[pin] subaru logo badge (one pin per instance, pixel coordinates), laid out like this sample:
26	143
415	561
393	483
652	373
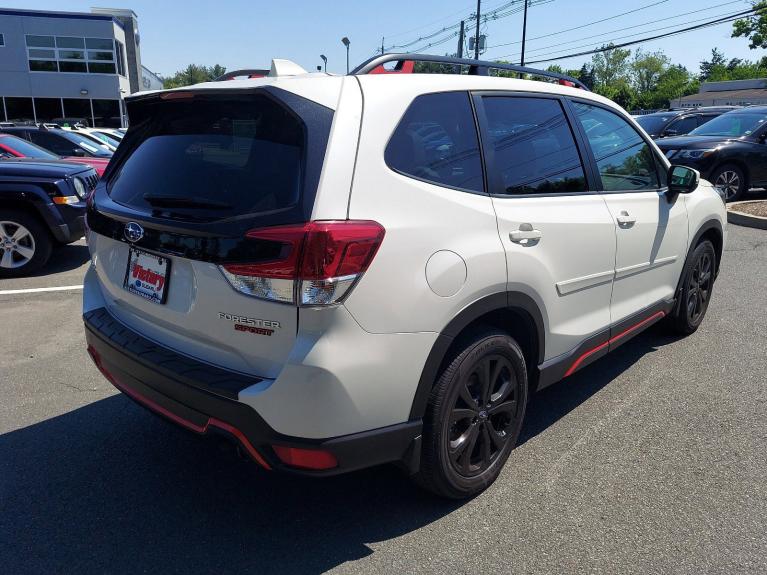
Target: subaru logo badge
133	232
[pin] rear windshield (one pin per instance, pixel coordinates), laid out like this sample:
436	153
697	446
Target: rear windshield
225	157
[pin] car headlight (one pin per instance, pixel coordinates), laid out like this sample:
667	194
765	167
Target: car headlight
79	186
694	154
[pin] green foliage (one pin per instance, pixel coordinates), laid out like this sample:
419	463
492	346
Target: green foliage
753	27
611	68
194	74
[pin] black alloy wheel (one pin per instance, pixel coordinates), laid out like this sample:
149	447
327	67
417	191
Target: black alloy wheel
696	287
474	415
699	286
484	411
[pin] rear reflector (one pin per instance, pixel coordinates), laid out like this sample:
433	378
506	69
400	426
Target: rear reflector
318	262
305	458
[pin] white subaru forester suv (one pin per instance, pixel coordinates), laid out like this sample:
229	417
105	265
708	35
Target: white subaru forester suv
338	272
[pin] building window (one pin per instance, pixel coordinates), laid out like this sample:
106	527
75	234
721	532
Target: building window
19	110
48	109
77	110
2	40
106	113
71	54
120	55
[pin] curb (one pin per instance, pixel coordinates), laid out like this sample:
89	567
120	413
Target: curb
743	219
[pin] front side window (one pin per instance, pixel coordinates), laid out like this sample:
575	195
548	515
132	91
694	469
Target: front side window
625	161
682	126
534	148
436	141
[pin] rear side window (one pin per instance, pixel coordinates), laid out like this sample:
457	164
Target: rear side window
224	156
436	141
534	148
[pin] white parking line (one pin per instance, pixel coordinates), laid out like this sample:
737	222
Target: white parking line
37	290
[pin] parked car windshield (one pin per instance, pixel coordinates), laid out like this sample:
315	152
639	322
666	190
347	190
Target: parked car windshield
653	124
27	149
732	124
86	143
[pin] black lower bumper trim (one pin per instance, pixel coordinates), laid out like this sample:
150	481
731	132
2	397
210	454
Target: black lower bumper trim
201	408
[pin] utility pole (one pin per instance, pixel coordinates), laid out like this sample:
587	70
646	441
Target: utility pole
459	53
476	34
524	33
382	45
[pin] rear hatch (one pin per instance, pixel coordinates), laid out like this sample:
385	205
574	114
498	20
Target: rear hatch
172	220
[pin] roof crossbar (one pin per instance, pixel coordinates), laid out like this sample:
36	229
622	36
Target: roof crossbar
476	67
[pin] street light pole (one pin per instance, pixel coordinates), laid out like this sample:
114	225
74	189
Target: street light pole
345	41
476	34
524	34
324	61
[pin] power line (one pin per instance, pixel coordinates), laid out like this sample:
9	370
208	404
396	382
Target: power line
619	29
731	18
494	14
612	40
586	25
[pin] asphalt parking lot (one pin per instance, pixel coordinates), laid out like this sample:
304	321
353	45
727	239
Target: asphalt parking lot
653	460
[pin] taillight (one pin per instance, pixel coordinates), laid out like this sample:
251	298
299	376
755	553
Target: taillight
318	262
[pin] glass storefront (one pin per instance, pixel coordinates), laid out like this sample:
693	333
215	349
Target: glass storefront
99	113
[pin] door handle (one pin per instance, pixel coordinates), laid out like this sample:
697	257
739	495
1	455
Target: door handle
525	235
624	219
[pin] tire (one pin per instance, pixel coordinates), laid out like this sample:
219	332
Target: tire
696	287
467	438
25	244
731	180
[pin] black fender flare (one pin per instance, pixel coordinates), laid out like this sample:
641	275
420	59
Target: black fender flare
712	224
511	300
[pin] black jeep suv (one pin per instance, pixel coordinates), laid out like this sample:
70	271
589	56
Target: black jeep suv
42	204
729	151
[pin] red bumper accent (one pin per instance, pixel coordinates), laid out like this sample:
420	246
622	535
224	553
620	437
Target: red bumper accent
159	409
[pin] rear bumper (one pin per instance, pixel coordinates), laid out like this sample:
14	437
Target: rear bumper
199	398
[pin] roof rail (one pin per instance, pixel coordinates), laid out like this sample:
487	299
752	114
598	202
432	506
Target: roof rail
476	67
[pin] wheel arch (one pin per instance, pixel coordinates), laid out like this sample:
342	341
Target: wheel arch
710	230
514	312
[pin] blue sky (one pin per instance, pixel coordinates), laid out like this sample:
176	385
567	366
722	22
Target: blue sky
241	33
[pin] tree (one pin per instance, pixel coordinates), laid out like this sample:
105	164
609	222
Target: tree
610	67
675	82
708	66
194	74
646	68
753	27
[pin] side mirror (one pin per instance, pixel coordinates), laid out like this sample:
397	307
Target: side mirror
682	180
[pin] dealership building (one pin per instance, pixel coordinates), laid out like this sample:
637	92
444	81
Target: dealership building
727	93
69	66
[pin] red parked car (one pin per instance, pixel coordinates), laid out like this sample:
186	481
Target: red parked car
15	147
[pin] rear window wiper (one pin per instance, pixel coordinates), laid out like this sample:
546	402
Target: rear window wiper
182	202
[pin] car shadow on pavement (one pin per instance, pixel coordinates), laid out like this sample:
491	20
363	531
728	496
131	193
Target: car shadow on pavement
110	488
556	401
64	259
